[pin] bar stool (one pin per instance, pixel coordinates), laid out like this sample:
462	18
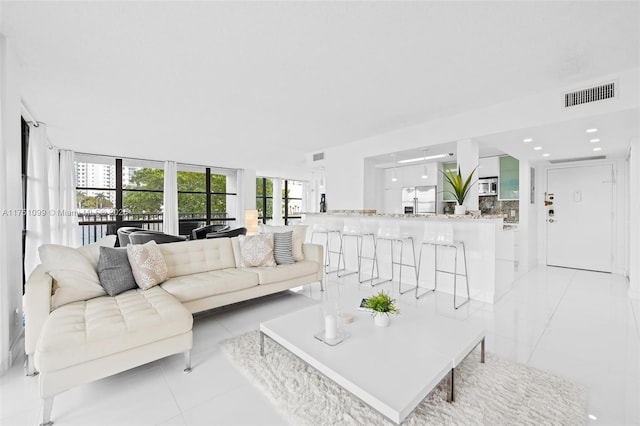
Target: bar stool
441	235
328	227
360	230
389	230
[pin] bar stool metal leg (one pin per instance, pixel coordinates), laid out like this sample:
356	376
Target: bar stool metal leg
341	256
466	278
374	259
435	281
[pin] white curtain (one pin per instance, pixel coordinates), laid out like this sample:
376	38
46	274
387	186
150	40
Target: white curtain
38	208
170	214
240	201
277	202
66	219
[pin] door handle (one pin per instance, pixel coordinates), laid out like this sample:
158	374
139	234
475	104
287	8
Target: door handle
552	220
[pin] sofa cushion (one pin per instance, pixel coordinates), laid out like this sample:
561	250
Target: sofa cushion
192	257
186	288
147	264
298	237
256	250
92	251
114	271
274	274
74	274
88	330
282	248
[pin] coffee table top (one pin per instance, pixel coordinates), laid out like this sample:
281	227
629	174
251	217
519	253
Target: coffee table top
392	368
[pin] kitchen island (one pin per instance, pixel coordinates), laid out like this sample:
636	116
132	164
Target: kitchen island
490	248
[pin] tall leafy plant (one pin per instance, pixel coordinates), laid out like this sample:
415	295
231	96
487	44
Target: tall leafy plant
459	187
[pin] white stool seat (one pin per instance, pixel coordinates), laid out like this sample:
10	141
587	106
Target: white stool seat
360	230
390	230
441	235
328	226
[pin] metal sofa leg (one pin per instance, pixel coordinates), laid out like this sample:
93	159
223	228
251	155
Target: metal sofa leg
187	360
47	405
29	366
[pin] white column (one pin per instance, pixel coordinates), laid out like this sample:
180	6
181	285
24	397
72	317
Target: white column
634	214
468	154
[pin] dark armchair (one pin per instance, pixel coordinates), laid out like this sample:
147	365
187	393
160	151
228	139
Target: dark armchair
201	233
141	237
228	234
124	232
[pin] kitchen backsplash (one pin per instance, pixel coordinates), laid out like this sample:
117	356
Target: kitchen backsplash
491	205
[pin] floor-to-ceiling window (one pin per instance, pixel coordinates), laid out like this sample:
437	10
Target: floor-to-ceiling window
292	200
115	192
292	194
264	199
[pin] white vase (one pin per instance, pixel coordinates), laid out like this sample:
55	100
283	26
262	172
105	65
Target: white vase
381	320
460	209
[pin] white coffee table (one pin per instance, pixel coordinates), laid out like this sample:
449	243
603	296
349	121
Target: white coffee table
392	369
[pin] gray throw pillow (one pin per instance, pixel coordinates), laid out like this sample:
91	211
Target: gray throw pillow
114	271
283	248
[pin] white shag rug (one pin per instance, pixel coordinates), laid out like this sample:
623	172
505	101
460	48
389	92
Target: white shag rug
499	392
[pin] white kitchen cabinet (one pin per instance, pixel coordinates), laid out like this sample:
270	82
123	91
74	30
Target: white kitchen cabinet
488	167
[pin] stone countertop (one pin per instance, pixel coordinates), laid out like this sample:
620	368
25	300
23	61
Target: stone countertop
369	213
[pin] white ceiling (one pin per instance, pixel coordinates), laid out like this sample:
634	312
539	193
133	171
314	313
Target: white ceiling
259	84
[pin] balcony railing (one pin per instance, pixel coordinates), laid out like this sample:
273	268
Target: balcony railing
96	225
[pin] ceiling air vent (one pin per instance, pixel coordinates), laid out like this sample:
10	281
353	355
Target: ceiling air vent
584	96
572	160
319	156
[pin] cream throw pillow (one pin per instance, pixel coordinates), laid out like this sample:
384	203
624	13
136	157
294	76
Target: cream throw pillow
256	250
298	237
75	276
147	264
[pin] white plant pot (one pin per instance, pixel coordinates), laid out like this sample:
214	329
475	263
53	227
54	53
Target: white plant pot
459	209
381	320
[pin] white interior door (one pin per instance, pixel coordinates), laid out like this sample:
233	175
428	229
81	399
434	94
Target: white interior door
579	213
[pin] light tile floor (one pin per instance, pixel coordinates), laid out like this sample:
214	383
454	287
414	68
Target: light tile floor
576	324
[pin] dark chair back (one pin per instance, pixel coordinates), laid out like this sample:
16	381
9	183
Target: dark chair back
124	232
200	233
228	234
141	237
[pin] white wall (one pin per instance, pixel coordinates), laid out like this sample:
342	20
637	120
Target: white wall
633	214
10	199
344	164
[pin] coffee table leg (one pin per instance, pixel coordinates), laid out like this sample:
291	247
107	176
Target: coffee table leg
452	394
482	351
261	343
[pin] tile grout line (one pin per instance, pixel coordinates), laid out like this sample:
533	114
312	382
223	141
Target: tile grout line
564	293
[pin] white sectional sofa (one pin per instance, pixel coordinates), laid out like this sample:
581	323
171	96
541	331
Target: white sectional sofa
86	340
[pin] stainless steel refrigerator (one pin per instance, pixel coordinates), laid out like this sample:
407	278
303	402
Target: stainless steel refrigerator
419	199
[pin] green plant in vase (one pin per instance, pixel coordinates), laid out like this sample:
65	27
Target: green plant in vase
381	305
460	187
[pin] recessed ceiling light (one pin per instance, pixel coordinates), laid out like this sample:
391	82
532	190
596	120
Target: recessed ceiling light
527	140
537	148
546	154
592	130
594	140
597	148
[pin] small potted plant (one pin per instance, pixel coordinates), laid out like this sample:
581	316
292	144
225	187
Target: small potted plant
459	187
381	305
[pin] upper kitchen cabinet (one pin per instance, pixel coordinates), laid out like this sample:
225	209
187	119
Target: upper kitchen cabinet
488	167
446	186
509	178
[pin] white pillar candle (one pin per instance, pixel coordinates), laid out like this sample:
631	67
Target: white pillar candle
330	327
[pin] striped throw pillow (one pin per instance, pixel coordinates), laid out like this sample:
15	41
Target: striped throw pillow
283	248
